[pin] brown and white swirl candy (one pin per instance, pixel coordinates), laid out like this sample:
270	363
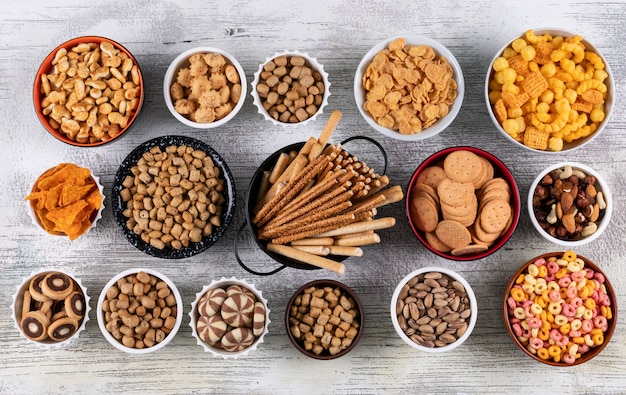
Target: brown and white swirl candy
237	339
211	302
237	310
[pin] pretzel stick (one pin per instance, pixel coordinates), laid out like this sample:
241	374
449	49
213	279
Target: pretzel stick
383	181
345	250
329	128
312	193
376	224
359	240
315	229
392	194
305	257
370	204
314	241
281	164
315	250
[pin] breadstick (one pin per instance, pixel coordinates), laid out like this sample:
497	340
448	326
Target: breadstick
359	240
392	194
305	257
329	128
314	241
345	250
316	150
315	229
362	226
264	185
281	164
366	232
382	182
315	250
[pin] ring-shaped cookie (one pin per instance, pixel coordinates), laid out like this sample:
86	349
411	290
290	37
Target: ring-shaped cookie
57	285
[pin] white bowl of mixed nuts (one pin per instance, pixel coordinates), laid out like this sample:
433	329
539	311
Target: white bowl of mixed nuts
570	204
434	309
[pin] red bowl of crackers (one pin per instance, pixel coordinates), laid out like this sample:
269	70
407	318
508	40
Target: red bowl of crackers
560	309
463	203
549	90
88	91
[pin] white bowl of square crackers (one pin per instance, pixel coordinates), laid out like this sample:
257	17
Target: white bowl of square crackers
463	203
409	87
549	90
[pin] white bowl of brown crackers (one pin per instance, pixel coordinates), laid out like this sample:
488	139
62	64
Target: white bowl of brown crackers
549	90
409	87
463	203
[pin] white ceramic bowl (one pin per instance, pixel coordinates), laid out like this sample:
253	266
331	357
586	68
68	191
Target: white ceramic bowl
224	283
609	82
601	224
182	61
311	62
437	127
471	321
117	343
18	303
35	221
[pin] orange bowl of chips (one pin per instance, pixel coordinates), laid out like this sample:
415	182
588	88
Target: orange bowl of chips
204	87
66	200
463	203
413	102
549	90
88	91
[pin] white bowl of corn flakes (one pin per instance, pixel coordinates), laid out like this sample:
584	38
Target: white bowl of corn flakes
413	102
549	90
204	87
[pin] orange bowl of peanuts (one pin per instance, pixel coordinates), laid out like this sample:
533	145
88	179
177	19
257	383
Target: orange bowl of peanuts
290	88
312	205
463	203
560	309
409	87
204	87
88	91
324	319
549	90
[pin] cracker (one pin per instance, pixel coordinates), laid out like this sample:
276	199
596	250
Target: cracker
453	234
424	214
462	166
432	176
534	84
535	138
434	242
514	101
421	188
454	193
481	236
469	249
500	111
495	215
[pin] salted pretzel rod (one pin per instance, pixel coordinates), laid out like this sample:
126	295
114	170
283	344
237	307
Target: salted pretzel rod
314	229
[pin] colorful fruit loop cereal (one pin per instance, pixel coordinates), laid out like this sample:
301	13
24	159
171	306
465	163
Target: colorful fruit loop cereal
548	90
559	309
408	87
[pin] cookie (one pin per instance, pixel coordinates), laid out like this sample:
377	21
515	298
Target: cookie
75	305
469	249
62	329
258	319
494	215
57	286
424	214
35	325
211	302
434	242
454	193
237	310
237	339
463	166
453	234
431	176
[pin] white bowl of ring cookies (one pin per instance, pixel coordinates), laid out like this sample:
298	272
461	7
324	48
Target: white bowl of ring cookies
409	87
51	308
229	318
463	203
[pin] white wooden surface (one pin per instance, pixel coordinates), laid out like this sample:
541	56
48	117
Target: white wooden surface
338	33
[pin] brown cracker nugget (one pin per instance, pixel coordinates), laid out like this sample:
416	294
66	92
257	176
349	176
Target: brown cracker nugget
520	65
453	234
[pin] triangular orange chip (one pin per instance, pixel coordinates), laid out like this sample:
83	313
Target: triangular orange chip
72	193
64	217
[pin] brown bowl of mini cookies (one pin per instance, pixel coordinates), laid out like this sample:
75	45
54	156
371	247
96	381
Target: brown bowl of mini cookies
324	319
463	203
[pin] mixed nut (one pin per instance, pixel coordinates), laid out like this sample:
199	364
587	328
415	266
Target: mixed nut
569	204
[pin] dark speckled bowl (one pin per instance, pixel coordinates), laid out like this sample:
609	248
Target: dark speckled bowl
168	252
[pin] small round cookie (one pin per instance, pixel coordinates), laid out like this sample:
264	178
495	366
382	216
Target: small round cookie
435	243
216	328
482	236
463	166
34	287
431	176
495	215
202	327
26	302
237	339
237	310
57	286
454	193
211	302
453	234
75	305
469	249
258	319
62	329
421	189
236	288
424	214
35	325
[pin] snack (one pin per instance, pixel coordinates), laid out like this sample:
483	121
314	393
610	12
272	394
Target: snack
174	196
408	87
460	205
230	318
208	89
325	320
559	308
66	200
139	310
324	198
569	204
290	88
92	92
56	311
546	90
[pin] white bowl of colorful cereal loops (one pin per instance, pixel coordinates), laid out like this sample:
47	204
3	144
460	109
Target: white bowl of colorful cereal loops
557	80
204	87
229	318
434	309
51	308
560	309
139	311
290	88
